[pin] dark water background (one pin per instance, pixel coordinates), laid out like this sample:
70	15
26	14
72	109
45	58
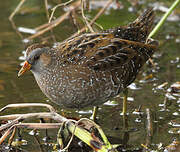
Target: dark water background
25	89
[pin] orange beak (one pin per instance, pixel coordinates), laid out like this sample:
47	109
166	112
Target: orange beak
25	67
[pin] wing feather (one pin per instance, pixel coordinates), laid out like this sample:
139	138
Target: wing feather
104	51
122	53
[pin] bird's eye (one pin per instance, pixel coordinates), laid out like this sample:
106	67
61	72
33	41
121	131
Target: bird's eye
36	57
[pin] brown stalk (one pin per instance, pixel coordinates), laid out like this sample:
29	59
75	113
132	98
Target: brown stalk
23	105
56	22
84	17
39	125
59	5
71	125
95	18
16	9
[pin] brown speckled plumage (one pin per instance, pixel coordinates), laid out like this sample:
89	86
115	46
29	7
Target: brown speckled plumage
89	69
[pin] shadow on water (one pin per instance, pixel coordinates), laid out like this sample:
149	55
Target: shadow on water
150	94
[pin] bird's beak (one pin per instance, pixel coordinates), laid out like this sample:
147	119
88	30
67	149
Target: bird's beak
25	67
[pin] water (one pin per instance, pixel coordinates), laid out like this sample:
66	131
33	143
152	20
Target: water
145	93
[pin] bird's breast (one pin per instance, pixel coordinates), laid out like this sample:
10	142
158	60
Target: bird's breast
76	87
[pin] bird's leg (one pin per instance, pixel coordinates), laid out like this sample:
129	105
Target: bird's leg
125	120
125	93
19	138
94	114
46	138
125	138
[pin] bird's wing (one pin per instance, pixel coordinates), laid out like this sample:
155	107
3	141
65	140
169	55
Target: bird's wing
78	49
118	53
104	51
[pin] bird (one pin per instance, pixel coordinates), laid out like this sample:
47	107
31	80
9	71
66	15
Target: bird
91	68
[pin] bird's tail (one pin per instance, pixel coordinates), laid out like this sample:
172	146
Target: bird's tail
138	30
144	22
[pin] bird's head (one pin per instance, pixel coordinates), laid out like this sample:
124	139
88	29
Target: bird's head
37	57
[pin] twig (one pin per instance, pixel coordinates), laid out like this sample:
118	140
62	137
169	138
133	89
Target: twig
60	136
39	125
149	123
74	19
161	22
16	9
71	125
16	121
46	8
47	15
56	22
95	18
59	20
59	5
84	17
98	25
20	105
12	136
3	137
27	116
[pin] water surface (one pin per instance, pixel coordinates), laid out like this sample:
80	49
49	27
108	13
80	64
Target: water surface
167	69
